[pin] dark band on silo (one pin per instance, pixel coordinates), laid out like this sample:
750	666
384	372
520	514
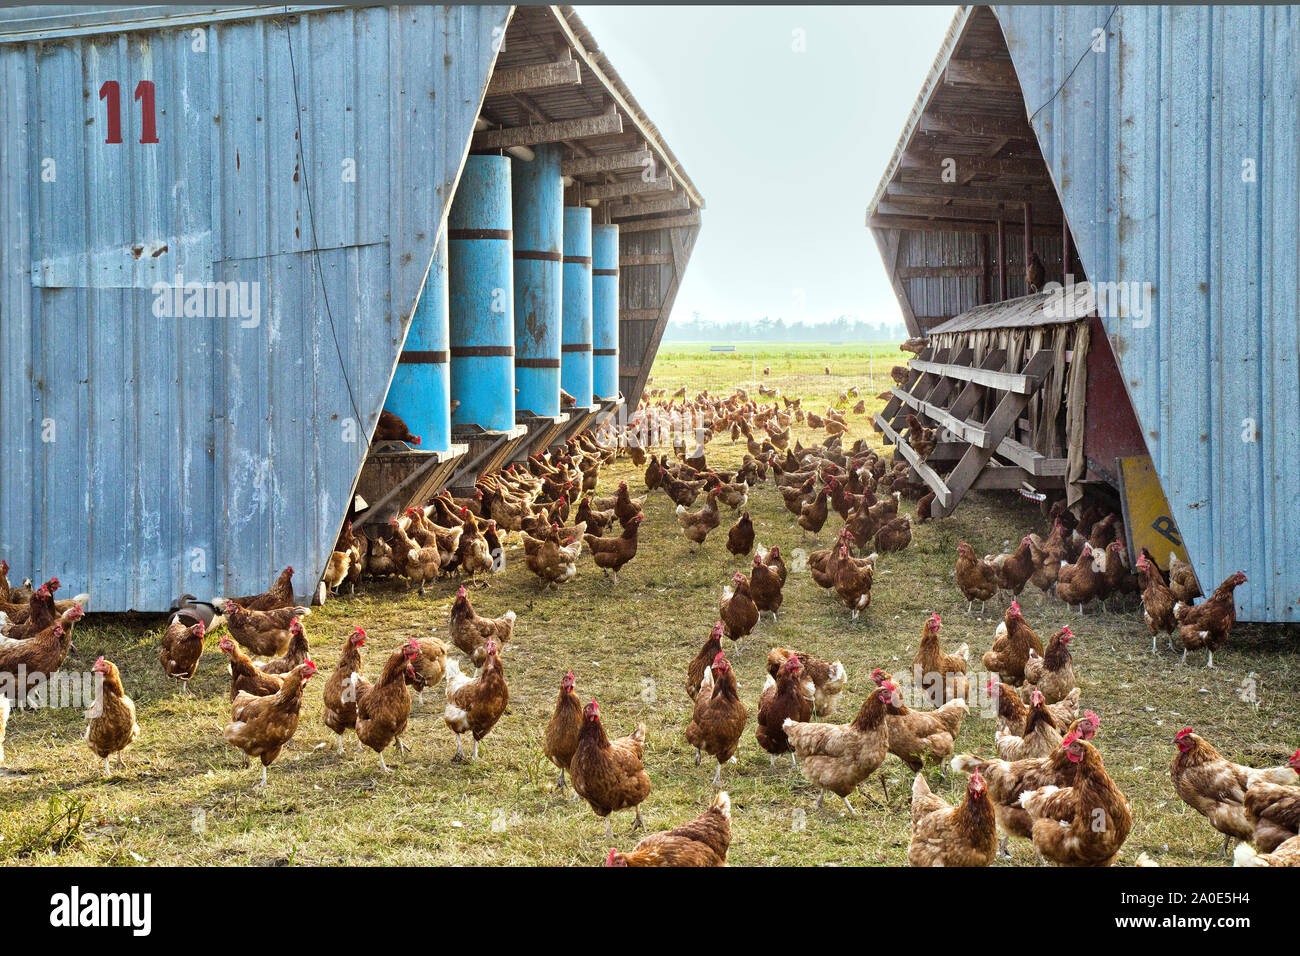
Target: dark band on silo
479	234
578	260
416	357
576	347
539	255
537	363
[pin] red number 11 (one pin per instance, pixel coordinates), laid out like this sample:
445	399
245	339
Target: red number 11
144	94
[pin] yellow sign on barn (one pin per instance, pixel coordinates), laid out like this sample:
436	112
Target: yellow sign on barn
1147	511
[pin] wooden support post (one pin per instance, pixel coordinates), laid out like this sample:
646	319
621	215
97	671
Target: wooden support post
1065	250
1002	260
984	270
1029	234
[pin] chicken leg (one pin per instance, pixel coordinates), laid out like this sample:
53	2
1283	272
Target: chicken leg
638	823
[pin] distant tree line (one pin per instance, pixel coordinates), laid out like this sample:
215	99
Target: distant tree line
767	329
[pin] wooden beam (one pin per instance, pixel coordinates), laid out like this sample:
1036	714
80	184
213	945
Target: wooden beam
649	207
539	76
1004	381
917	223
1032	169
975	124
648	259
667	222
981	73
631	187
535	134
971	192
929	206
638	315
607	163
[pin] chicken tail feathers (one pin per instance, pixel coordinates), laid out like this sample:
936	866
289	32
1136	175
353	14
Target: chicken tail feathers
968	763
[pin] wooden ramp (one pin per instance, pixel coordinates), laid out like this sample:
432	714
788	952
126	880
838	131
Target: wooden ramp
948	391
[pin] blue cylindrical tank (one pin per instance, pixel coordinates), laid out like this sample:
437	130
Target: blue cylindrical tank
421	391
538	205
481	280
575	366
604	311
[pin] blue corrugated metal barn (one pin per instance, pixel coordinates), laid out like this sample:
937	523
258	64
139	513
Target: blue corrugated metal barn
1154	146
218	227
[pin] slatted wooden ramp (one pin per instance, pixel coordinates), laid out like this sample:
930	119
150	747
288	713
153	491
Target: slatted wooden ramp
977	409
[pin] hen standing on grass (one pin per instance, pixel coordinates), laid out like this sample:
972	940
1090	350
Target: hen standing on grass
475	704
609	775
384	709
838	757
719	718
261	726
111	727
1209	623
345	687
561	738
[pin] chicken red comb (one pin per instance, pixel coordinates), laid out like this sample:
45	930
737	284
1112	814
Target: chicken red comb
1092	718
1070	738
717	628
201	628
359	630
936	618
569	674
1066	630
461	593
1037	697
1295	757
1183	733
100	661
609	860
1015	606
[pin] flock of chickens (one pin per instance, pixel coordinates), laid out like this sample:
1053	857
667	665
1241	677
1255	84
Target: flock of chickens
1048	784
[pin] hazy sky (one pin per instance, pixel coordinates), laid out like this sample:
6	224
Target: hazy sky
786	147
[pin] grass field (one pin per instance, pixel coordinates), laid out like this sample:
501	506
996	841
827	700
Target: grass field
184	796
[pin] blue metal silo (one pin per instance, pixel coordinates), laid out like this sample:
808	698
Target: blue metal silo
481	280
575	372
604	311
538	204
421	391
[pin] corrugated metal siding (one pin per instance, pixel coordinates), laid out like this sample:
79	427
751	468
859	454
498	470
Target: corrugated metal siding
193	433
945	297
1146	143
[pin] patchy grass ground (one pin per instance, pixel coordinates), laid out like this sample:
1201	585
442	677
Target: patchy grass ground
185	798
